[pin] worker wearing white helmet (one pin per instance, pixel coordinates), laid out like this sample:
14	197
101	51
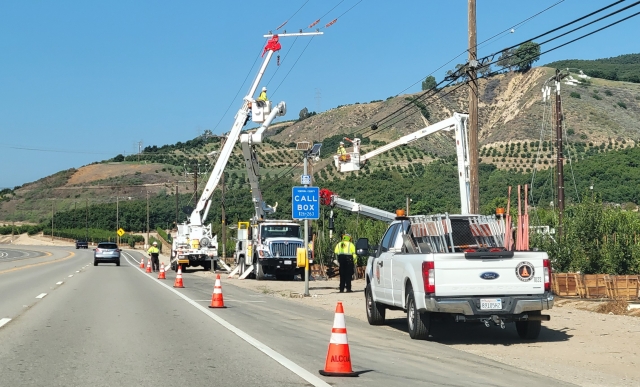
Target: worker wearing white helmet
263	95
341	150
154	253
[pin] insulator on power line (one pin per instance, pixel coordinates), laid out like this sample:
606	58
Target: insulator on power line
374	126
314	23
331	23
278	61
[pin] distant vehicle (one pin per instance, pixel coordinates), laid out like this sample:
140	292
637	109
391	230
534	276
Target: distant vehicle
106	252
82	245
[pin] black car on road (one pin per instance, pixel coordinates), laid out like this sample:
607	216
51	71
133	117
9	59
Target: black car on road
82	245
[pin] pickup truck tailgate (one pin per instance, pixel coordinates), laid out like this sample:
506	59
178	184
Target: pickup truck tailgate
459	275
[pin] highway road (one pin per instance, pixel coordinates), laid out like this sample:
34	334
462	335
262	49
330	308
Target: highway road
109	325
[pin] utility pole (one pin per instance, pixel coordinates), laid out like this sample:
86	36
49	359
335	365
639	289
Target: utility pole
224	220
473	112
176	206
147	217
195	180
117	216
86	218
408	200
559	155
53	203
306	233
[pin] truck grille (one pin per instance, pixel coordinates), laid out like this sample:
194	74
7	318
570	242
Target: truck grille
285	249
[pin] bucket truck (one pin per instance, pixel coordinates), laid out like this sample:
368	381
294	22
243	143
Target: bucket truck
265	246
353	161
194	244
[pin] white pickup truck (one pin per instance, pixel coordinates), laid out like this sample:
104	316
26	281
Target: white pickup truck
455	267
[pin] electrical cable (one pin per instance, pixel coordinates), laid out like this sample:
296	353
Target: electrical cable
294	65
423	95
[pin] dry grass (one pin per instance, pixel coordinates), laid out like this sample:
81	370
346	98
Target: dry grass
618	306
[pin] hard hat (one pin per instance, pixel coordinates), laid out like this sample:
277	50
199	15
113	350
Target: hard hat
155	243
341	143
264	88
346	237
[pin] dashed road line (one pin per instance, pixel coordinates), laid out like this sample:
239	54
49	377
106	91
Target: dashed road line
284	361
71	275
59	282
41	295
4	321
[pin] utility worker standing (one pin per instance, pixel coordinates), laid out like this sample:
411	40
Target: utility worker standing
154	253
346	253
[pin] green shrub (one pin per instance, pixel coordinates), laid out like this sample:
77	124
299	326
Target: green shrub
608	93
574	95
622	104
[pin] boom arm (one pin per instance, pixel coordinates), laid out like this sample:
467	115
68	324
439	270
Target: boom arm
328	198
196	218
251	160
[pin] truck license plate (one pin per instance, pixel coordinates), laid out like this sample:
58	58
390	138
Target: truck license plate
490	303
287	262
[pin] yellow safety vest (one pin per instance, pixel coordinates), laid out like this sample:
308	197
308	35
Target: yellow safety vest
263	96
345	248
153	250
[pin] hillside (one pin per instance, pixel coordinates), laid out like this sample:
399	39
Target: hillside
619	68
600	116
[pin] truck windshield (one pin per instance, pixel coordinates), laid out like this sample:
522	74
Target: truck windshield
280	231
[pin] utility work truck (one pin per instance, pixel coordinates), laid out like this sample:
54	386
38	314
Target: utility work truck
265	246
455	267
194	244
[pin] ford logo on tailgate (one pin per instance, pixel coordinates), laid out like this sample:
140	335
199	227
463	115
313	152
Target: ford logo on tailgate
489	275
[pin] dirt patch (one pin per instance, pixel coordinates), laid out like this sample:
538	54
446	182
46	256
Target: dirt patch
90	173
578	345
619	307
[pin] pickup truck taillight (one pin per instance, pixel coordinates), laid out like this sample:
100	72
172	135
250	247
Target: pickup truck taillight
547	274
429	277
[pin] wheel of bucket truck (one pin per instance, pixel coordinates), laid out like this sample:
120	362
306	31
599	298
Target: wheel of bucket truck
258	270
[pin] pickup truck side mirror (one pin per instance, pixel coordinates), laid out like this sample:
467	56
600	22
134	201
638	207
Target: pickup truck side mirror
362	246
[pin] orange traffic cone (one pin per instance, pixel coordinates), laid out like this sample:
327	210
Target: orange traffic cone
161	275
142	263
338	357
216	297
149	266
178	283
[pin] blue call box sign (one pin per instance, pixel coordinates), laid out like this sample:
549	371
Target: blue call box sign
305	203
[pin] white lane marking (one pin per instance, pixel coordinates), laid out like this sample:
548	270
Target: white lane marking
59	282
70	275
77	271
41	295
4	321
291	366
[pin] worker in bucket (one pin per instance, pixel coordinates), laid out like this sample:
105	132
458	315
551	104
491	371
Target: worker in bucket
154	253
346	253
342	152
262	98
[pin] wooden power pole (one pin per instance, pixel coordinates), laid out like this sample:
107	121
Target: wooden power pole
176	206
147	217
474	194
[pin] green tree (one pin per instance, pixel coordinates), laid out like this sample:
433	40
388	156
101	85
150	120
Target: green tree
507	59
526	54
429	83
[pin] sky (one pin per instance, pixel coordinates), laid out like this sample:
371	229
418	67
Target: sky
82	81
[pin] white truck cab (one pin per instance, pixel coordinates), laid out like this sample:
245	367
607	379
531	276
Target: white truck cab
455	266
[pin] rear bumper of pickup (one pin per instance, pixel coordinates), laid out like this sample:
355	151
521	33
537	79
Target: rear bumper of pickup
470	306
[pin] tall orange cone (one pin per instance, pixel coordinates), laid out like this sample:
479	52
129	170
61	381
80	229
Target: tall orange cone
338	357
178	283
216	297
161	275
142	263
148	266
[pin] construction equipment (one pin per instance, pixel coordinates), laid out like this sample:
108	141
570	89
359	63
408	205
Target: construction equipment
458	122
265	246
194	244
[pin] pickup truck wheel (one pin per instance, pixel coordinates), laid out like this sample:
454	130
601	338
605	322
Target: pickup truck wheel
419	323
375	310
529	330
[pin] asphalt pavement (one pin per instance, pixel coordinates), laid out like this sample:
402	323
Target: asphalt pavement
109	325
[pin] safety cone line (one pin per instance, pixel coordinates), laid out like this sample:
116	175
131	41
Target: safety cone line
338	361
